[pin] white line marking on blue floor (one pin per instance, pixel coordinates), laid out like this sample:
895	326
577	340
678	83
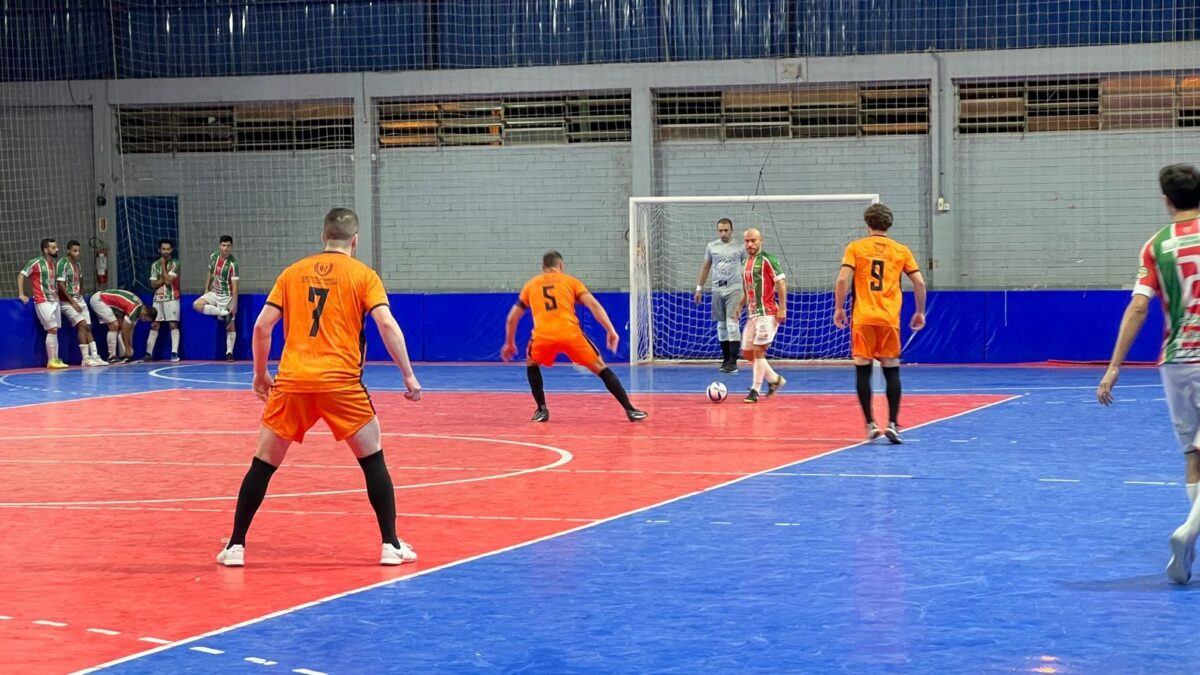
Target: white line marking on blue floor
207	650
1057	480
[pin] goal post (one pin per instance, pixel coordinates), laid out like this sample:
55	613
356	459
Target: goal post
667	240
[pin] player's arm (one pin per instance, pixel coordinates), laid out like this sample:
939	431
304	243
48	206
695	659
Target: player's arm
159	281
919	292
208	280
781	288
1131	325
21	287
704	269
261	348
393	338
233	291
509	350
597	311
841	288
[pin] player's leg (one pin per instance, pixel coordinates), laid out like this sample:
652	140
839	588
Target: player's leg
720	310
365	443
1179	384
862	349
152	338
750	353
539	352
583	352
887	352
48	314
734	332
170	314
126	342
230	335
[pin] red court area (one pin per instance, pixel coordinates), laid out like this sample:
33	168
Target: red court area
112	509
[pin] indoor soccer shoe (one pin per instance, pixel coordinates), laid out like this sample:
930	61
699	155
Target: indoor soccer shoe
397	555
635	415
775	386
1183	550
541	415
873	431
56	364
893	434
234	556
228	356
752	397
175	357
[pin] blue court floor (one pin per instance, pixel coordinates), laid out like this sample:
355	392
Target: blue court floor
1028	536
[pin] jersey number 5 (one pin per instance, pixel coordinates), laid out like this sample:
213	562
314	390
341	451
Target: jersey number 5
876	275
551	301
319	296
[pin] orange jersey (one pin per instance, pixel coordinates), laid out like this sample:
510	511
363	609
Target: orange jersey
551	297
878	262
324	299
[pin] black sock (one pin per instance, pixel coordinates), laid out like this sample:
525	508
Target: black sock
534	373
250	497
862	376
381	494
892	376
615	388
731	349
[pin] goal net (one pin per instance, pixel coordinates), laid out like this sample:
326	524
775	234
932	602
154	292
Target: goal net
667	241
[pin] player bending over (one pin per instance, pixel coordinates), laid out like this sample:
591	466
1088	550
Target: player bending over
875	263
323	301
1167	270
119	310
552	296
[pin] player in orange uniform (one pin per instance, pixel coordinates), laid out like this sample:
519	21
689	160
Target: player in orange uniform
323	300
876	262
552	296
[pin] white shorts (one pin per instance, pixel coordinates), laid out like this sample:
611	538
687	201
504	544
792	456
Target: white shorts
75	318
759	331
103	312
47	313
168	310
1182	384
217	300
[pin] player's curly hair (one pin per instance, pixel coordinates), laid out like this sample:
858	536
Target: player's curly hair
878	217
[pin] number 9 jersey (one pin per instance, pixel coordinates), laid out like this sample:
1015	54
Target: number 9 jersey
324	299
878	262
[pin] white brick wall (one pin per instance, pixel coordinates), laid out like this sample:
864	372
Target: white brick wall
45	185
272	204
479	219
1060	210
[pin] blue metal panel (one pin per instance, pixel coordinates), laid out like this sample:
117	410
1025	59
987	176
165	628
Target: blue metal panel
726	29
54	40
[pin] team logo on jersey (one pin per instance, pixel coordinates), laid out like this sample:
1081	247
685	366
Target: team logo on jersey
880	247
1143	272
323	268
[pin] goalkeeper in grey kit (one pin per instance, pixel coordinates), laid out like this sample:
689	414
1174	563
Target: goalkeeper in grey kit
723	258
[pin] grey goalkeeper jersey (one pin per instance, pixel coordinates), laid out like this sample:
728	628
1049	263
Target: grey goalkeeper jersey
725	274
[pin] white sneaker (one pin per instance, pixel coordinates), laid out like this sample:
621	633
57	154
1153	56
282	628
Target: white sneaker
95	361
392	555
873	432
1183	551
234	556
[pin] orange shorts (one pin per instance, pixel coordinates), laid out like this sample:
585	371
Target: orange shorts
875	342
291	414
577	348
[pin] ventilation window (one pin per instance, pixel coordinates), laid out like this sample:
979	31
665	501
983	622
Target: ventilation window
257	127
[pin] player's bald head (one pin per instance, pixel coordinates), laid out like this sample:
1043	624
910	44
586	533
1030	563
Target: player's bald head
340	225
753	240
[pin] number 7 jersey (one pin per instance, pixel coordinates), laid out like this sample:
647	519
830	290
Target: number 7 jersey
324	299
878	262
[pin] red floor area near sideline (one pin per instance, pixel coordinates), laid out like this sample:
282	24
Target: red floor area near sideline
113	509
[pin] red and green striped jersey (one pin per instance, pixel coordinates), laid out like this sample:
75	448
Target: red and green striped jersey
224	273
1170	269
123	301
41	277
759	278
169	290
68	272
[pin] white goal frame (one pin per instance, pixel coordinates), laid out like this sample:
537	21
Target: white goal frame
635	324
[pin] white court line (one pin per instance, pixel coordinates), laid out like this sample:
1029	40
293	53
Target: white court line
158	373
44	622
75	399
104	631
564	457
506	549
207	650
155	641
1057	480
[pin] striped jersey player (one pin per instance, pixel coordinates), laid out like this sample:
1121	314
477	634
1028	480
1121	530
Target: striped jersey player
40	272
765	297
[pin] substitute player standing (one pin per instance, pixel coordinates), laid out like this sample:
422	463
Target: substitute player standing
552	296
74	309
762	280
724	257
40	271
1168	270
875	263
164	279
221	291
323	300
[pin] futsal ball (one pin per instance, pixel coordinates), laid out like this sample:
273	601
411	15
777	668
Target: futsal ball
717	392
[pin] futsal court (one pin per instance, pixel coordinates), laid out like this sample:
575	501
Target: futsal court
1020	528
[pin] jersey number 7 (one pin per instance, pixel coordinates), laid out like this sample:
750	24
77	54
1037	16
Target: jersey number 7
319	296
